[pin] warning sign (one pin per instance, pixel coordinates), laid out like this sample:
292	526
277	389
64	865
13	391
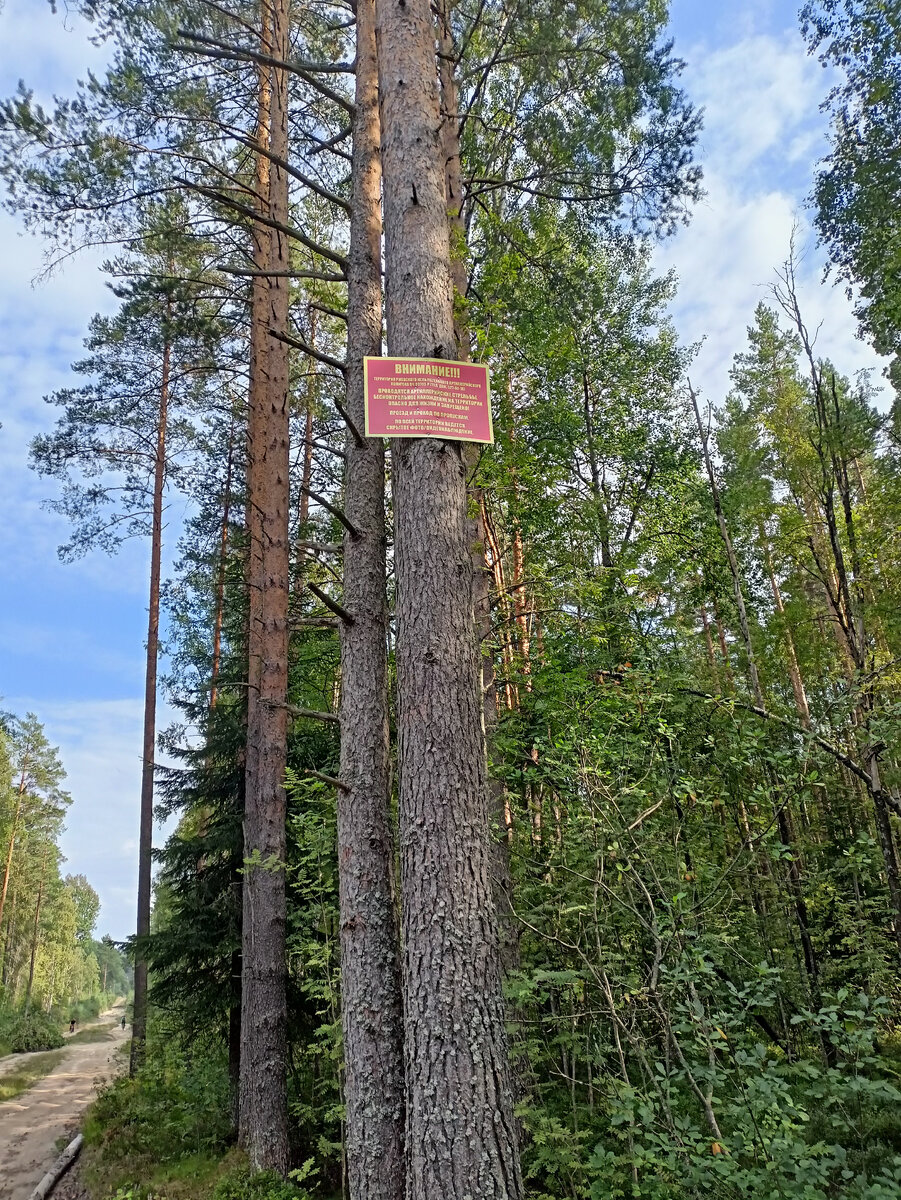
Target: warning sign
427	397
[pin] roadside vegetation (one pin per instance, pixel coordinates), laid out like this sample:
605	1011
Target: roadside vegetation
544	846
26	1073
52	969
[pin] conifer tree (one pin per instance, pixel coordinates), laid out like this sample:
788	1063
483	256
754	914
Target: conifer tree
122	438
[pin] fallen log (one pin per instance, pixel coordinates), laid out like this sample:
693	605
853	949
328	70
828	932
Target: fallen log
58	1170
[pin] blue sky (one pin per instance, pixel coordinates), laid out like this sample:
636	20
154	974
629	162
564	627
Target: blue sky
72	636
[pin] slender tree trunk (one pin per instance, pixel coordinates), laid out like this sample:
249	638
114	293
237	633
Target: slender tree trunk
36	931
794	669
7	870
461	1137
370	961
145	845
786	829
7	941
708	642
306	480
724	648
220	574
756	690
262	1108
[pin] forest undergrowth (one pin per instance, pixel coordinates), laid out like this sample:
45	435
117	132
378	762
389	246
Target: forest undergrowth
535	803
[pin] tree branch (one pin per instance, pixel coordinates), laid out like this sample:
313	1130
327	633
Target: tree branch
258	217
299	344
336	512
330	604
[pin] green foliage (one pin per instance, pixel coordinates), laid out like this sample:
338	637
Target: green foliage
176	1110
36	1031
244	1184
857	191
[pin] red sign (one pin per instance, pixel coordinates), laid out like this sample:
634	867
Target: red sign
427	397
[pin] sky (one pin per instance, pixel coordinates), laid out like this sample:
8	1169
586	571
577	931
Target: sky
72	635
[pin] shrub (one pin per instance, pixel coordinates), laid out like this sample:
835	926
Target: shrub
243	1184
34	1032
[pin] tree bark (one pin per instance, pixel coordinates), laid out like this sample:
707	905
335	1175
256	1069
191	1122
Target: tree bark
145	844
262	1106
220	574
794	669
35	936
370	961
476	527
756	690
461	1138
7	870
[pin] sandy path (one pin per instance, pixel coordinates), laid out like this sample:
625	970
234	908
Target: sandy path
32	1123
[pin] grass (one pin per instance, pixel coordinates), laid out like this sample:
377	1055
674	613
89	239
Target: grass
94	1033
14	1082
191	1178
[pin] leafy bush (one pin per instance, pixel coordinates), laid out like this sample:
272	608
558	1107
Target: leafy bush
178	1105
34	1032
799	1129
243	1184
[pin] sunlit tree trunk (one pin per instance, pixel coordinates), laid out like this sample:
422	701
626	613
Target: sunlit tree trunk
262	1106
461	1138
370	953
36	930
145	843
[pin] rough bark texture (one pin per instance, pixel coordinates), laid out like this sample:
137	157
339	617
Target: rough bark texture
370	966
476	529
461	1136
145	843
262	1107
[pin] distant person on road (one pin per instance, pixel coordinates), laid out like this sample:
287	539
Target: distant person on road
123	1020
72	1025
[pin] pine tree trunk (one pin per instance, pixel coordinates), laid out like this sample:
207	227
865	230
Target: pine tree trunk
35	935
476	528
370	966
8	939
220	574
461	1138
306	480
262	1107
7	870
145	845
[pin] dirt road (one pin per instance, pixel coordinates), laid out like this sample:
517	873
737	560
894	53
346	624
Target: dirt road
32	1123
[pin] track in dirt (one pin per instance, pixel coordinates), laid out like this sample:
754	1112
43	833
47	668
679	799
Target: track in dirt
32	1123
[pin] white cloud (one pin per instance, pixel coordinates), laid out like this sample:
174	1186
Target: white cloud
763	136
759	94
